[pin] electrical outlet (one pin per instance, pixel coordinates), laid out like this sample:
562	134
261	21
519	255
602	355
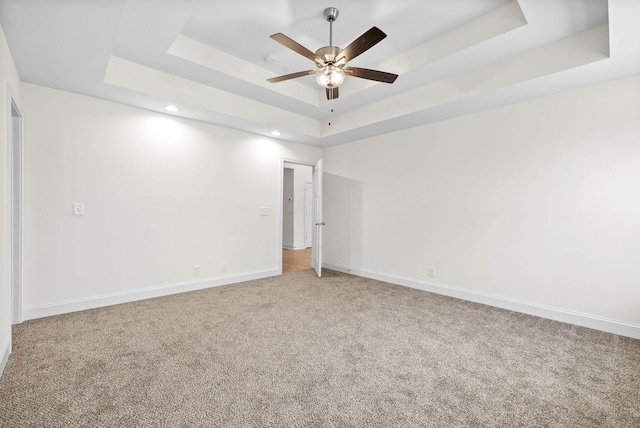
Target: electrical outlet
196	270
431	271
225	266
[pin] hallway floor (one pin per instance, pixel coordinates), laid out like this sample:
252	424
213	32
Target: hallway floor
296	260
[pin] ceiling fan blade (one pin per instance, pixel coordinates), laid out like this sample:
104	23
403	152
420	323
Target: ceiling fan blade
361	44
365	73
297	47
332	93
290	76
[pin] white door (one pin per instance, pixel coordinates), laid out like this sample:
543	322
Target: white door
316	246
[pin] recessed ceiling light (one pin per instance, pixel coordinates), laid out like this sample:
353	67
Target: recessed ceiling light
270	58
276	133
171	108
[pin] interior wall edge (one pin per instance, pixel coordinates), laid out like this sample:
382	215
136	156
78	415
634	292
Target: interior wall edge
59	308
5	351
555	314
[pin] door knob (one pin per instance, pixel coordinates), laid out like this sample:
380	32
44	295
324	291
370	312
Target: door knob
321	224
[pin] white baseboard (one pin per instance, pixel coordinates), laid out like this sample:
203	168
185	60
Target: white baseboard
562	315
5	351
57	308
288	247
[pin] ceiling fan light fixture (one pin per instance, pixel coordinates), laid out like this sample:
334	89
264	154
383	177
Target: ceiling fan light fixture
330	76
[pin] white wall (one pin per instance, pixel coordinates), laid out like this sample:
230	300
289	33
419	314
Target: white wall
301	173
161	195
535	204
8	79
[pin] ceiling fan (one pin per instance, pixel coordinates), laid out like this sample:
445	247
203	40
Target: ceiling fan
331	60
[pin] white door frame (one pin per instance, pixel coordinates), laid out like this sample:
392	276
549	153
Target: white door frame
316	240
288	218
15	192
308	200
281	196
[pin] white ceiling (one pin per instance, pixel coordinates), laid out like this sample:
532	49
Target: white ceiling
207	57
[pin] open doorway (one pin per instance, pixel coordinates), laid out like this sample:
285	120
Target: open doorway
15	211
297	206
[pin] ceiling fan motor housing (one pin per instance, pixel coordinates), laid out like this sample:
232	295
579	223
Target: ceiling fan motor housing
328	54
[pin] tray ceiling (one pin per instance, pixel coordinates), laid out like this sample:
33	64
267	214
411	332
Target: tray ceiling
208	58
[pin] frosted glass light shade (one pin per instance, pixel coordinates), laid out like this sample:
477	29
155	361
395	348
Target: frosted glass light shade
330	76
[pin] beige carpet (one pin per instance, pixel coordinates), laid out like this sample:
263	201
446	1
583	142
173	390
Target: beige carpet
298	351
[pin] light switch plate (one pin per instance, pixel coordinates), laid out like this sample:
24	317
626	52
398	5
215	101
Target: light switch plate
265	211
78	208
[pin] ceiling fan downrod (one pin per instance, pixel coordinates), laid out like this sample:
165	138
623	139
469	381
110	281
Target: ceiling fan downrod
331	14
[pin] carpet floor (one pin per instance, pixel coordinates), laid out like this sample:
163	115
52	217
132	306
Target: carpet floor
298	351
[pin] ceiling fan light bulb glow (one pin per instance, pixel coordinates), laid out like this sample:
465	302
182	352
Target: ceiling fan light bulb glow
330	76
